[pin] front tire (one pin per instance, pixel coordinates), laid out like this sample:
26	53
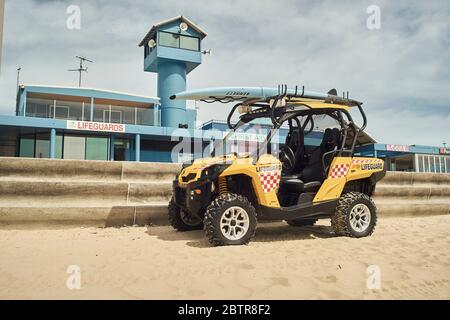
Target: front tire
230	220
182	220
355	216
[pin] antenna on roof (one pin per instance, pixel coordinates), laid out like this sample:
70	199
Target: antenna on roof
18	77
81	68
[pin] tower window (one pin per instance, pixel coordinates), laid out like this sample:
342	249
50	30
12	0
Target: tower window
175	40
169	39
189	43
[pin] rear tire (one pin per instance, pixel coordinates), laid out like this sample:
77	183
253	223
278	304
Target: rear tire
301	222
230	220
355	216
182	220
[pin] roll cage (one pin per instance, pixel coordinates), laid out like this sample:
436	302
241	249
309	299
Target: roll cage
283	108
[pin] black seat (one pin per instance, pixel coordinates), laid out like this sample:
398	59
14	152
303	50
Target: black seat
312	186
295	140
314	171
292	183
296	185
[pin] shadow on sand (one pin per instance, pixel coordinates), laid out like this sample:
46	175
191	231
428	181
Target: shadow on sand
266	232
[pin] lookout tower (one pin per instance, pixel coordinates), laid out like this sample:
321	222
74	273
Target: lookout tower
172	49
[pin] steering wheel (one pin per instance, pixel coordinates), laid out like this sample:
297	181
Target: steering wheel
311	120
287	157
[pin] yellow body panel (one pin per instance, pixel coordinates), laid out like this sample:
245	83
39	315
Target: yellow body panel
201	164
265	174
267	165
343	170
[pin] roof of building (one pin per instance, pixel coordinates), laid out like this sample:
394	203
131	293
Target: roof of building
89	92
164	22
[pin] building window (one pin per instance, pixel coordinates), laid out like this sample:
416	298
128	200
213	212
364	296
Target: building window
74	147
97	148
442	164
42	145
56	109
128	116
38	108
101	113
61	112
438	165
421	168
145	116
175	40
69	110
59	147
116	116
447	164
27	146
432	166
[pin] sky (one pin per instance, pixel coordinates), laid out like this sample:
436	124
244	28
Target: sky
401	71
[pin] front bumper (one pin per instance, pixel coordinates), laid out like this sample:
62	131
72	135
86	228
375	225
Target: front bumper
179	194
188	198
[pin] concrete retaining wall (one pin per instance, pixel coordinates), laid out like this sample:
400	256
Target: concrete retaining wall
413	194
76	170
100	193
73	192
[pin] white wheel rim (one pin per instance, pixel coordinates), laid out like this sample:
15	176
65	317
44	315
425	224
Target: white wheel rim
234	223
360	217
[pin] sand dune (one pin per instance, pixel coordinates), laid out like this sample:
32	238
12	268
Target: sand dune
283	262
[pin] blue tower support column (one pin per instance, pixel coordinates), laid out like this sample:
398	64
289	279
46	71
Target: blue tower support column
137	147
172	79
52	143
111	147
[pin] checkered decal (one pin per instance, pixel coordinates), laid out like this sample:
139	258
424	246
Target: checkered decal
339	170
270	180
356	161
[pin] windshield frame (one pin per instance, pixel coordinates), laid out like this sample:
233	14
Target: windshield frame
287	113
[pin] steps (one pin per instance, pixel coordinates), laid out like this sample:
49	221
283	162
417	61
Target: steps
413	194
103	194
89	193
34	193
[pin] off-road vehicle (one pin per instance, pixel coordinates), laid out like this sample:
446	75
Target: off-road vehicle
227	194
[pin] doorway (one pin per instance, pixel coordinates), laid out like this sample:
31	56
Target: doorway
121	149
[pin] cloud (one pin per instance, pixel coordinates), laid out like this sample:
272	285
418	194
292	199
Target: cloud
400	72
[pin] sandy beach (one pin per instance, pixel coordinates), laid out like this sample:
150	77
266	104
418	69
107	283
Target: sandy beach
283	262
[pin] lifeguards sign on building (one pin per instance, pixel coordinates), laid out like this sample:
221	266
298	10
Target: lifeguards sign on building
95	126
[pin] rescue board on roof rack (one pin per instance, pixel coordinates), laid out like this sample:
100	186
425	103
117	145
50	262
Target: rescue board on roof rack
255	94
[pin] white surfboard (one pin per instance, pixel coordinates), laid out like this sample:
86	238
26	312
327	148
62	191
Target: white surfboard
242	93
